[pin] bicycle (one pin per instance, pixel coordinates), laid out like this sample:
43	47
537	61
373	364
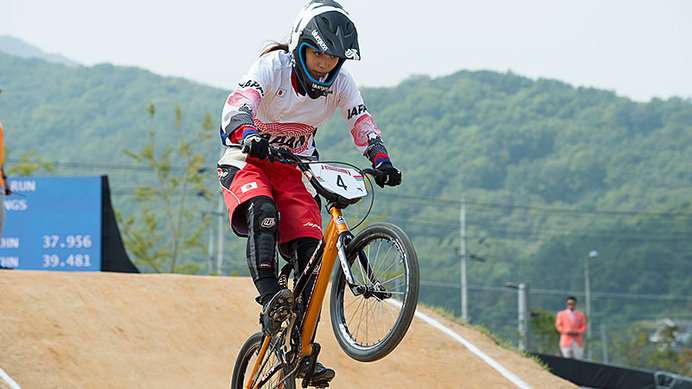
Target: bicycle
374	290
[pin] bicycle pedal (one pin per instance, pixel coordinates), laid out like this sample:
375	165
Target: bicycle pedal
320	384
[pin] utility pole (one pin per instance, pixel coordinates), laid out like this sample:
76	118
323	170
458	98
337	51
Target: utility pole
604	343
210	249
464	304
219	246
587	291
523	315
524	318
222	212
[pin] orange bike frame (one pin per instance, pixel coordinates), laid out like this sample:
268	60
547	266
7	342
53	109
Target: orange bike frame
260	358
336	226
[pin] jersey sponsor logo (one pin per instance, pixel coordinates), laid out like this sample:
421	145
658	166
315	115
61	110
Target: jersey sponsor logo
311	224
319	40
322	88
265	265
248	186
222	173
268	222
252	84
355	111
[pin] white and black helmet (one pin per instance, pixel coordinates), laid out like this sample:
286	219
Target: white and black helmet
325	26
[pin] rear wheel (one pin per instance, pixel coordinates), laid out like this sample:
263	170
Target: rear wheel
368	326
270	374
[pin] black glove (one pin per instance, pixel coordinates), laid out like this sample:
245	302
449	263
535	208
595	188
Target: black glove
255	146
391	176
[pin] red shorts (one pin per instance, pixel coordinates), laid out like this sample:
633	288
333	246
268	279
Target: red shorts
299	214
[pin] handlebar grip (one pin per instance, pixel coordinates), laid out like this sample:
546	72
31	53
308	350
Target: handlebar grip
275	151
373	172
284	156
279	155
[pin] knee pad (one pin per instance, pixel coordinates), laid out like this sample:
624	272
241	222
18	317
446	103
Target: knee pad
263	227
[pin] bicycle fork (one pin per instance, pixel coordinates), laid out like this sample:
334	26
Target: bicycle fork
374	288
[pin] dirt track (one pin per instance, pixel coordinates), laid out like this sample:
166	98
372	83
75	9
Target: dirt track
107	330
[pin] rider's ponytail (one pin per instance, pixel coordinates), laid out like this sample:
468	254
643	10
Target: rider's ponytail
274	47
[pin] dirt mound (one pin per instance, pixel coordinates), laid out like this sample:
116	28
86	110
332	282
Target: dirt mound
109	330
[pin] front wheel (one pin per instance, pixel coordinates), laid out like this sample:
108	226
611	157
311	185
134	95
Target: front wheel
368	326
270	374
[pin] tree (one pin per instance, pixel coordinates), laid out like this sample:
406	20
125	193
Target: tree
630	347
636	347
165	226
543	328
665	357
28	164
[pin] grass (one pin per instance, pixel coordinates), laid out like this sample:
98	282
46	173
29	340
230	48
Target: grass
506	344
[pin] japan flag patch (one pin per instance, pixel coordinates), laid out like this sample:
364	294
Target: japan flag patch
281	92
248	186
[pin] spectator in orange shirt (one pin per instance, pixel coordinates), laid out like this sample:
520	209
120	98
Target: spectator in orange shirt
571	324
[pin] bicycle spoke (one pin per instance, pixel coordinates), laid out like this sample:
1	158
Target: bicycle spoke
268	373
368	319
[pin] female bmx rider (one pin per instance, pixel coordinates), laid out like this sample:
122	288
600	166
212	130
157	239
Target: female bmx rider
289	92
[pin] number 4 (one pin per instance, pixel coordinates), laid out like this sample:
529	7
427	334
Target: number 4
340	182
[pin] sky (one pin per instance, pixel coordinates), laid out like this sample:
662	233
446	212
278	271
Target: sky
639	49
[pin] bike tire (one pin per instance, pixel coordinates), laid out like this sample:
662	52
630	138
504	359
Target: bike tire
246	360
369	328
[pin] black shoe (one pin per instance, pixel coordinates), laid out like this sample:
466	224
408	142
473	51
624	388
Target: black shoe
276	311
321	376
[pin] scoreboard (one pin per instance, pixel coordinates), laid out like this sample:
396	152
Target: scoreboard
52	223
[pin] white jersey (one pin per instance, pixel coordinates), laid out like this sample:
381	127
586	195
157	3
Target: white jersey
267	99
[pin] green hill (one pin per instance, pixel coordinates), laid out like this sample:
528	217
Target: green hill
548	173
13	46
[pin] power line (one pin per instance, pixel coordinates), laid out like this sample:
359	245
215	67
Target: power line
537	207
428	200
520	233
95	166
558	292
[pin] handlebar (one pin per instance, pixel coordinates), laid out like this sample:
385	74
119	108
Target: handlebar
284	156
287	157
373	172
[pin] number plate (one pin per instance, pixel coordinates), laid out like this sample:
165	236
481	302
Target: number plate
345	182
